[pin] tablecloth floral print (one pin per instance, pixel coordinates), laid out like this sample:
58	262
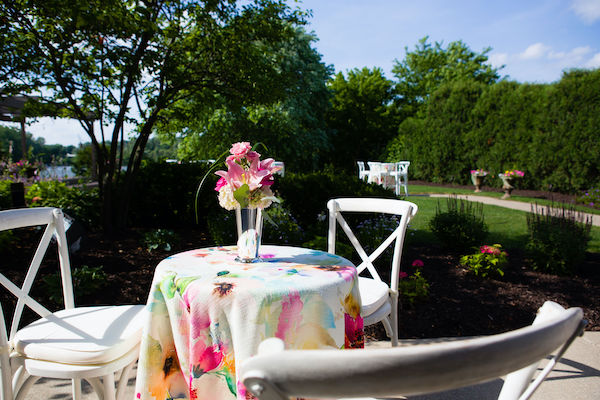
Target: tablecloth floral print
207	313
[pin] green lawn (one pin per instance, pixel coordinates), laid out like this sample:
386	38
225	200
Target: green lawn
507	227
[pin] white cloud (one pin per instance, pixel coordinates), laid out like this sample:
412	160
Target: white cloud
575	55
587	10
593	62
537	50
498	59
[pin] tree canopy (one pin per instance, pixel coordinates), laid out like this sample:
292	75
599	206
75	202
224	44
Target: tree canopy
429	66
117	61
362	116
292	126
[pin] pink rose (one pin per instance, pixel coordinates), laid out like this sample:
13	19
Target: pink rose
240	149
402	275
418	263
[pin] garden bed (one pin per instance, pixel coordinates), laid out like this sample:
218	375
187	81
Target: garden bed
458	303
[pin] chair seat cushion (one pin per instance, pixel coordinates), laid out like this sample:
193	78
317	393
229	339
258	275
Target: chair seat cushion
83	335
373	294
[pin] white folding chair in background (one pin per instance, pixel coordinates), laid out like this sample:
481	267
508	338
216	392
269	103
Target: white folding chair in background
278	374
91	343
379	299
363	173
375	172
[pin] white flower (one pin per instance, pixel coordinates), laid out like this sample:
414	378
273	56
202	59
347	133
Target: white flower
226	199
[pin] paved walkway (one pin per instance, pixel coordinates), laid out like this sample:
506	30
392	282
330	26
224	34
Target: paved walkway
515	205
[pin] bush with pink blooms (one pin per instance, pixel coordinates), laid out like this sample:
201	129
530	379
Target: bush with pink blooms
413	287
488	261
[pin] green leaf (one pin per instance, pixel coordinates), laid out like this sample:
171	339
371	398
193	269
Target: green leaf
242	195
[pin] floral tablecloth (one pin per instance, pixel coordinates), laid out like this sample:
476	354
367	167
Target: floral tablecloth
208	313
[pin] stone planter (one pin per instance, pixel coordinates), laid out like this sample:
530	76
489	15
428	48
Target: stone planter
507	185
477	181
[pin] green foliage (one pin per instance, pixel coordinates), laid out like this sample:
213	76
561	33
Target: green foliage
549	131
461	226
86	281
81	203
306	195
165	193
428	67
108	55
362	117
488	261
161	239
558	238
5	196
413	288
590	198
293	127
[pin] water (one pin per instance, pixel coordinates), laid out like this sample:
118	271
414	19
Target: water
58	172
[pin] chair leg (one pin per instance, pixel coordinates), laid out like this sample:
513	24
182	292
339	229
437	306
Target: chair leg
122	386
108	382
76	389
394	320
24	388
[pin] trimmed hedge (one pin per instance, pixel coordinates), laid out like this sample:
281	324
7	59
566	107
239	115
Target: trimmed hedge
549	131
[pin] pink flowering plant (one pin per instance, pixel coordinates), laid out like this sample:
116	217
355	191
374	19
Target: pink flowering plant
488	261
413	287
247	181
479	172
513	173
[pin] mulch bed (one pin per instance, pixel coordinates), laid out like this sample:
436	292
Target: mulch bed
459	304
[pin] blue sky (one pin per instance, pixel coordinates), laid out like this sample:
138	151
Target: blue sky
535	39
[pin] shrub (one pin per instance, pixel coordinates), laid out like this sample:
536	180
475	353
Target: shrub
86	281
5	196
461	226
558	239
164	195
81	203
590	198
489	261
413	287
163	239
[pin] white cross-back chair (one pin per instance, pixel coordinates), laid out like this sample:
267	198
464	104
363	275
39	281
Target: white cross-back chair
278	374
379	299
91	343
363	172
400	175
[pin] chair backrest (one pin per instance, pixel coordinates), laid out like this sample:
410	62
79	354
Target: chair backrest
403	167
53	219
404	209
374	166
277	374
361	166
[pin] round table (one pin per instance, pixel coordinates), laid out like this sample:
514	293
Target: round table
208	313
